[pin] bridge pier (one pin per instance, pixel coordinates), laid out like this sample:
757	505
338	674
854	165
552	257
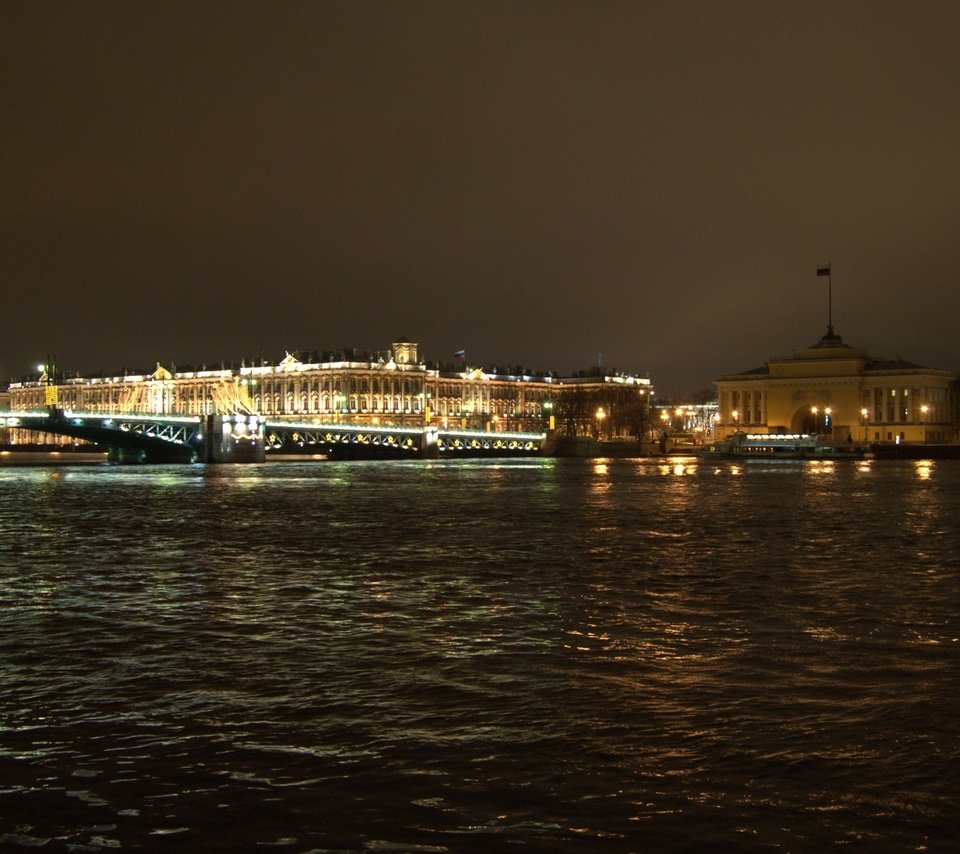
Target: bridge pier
235	439
550	442
429	449
126	455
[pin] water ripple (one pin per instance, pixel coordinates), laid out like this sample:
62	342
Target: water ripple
563	654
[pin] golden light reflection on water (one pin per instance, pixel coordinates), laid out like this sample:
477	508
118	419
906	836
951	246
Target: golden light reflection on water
670	468
677	466
587	640
923	468
824	633
601	484
692	647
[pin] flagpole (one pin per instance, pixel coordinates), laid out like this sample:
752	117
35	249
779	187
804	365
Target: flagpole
828	272
830	297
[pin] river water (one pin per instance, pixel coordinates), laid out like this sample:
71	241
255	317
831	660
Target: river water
610	655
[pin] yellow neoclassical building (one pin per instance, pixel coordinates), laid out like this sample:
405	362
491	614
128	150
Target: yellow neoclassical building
839	390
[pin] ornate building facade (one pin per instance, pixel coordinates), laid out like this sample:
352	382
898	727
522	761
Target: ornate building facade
839	390
392	387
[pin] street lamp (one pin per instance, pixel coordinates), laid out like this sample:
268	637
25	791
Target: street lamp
548	408
600	416
735	415
48	375
924	409
863	422
816	422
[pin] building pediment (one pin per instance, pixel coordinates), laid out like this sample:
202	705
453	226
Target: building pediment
289	363
848	366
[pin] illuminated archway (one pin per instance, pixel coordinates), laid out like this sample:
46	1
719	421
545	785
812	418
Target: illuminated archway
805	420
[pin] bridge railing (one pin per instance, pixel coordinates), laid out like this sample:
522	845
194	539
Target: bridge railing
11	418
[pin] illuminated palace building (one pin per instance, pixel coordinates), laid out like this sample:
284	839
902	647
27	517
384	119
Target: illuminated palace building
390	387
839	390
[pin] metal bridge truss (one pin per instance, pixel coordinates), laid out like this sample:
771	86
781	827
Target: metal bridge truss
344	438
281	434
177	432
160	437
463	442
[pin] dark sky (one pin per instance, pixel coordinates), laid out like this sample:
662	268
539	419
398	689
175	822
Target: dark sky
535	182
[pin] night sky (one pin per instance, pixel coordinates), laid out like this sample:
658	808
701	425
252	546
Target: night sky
535	182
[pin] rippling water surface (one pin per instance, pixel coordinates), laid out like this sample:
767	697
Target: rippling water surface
553	654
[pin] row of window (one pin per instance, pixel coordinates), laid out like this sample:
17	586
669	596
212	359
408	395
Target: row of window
192	398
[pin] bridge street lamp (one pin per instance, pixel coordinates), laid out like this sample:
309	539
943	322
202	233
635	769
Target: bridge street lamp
924	409
816	419
48	377
863	422
423	401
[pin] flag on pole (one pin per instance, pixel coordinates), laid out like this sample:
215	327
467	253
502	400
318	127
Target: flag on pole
823	271
460	354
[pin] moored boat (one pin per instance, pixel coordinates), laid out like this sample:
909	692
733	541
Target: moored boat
783	446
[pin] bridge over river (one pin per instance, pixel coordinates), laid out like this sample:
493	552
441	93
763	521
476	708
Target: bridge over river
240	438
